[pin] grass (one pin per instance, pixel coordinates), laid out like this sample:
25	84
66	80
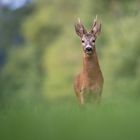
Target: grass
111	120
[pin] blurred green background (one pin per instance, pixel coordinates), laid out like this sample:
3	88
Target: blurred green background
40	54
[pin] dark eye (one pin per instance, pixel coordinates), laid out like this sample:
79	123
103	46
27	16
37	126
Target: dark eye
93	41
83	41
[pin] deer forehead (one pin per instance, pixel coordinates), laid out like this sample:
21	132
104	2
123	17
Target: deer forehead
88	37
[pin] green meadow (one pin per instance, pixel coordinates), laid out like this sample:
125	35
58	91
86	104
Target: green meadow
115	119
40	54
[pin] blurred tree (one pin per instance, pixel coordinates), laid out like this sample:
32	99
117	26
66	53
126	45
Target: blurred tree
11	43
12	31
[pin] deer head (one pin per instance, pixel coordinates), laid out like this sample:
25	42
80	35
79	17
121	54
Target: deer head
88	38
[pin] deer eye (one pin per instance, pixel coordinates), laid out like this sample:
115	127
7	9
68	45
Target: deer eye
93	41
83	41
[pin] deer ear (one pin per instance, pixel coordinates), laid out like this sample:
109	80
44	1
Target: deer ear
96	28
80	29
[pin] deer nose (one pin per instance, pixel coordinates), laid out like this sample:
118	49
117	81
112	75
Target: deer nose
88	49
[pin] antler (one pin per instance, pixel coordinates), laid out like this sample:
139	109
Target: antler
95	22
79	21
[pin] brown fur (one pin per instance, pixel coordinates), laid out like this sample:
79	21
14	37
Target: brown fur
89	83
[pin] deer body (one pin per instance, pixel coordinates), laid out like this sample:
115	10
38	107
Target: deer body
89	83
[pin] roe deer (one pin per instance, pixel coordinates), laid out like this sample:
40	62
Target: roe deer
89	83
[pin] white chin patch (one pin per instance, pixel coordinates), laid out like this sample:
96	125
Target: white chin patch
88	52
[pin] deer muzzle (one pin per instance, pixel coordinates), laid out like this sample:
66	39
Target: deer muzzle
89	49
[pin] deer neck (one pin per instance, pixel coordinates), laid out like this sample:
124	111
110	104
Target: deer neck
91	68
